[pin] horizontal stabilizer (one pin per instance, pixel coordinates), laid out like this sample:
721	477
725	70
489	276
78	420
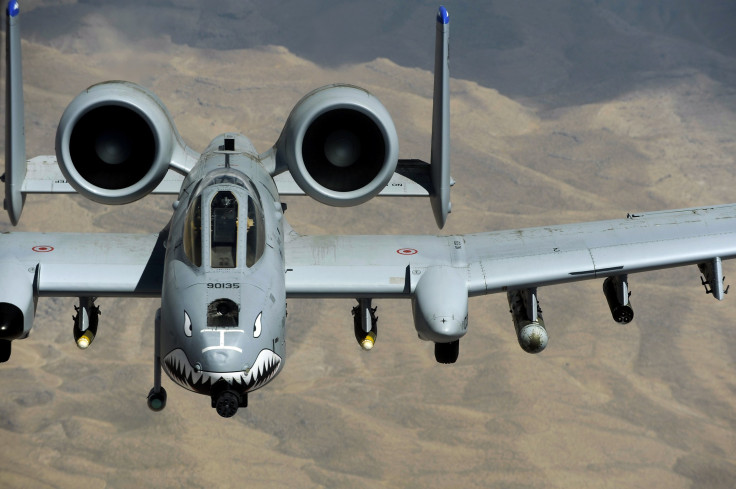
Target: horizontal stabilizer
43	176
412	179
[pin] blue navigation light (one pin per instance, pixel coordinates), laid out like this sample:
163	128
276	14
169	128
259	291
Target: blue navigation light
442	16
13	8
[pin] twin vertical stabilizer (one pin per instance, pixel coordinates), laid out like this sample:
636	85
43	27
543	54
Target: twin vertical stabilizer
15	137
440	159
411	177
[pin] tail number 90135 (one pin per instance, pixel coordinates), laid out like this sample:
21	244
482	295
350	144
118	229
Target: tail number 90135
223	285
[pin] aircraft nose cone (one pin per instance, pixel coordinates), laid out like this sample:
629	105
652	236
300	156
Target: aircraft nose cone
221	360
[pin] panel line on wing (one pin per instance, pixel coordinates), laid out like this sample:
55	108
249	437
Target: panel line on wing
594	271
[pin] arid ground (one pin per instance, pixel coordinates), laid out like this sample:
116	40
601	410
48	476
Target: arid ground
574	111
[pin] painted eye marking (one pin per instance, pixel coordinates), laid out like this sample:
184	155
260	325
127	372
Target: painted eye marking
187	324
257	326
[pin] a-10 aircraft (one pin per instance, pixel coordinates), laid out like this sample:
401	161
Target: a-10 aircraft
228	260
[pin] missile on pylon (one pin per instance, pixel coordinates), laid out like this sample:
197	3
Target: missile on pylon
616	290
528	321
85	322
365	324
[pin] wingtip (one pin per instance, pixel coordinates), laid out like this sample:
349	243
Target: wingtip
442	16
13	8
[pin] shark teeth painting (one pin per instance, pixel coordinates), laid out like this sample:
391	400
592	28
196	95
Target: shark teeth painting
180	370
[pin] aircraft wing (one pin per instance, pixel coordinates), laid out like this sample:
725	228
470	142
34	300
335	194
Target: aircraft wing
86	264
390	266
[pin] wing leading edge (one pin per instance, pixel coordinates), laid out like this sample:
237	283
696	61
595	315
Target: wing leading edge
389	266
88	265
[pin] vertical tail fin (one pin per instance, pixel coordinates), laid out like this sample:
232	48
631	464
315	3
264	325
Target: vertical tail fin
440	159
15	137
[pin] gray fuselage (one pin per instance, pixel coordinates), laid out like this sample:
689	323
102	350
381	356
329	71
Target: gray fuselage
223	300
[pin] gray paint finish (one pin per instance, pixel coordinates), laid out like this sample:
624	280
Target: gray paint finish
228	260
346	266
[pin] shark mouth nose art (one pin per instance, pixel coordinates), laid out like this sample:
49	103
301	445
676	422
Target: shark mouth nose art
180	370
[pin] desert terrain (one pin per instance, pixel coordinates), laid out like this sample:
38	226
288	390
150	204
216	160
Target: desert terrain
575	111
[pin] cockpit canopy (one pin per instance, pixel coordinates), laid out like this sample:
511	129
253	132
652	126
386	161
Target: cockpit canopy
213	234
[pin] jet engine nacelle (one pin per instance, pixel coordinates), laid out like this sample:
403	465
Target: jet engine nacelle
17	303
440	305
115	142
340	145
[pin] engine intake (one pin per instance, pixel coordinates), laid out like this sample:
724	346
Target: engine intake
115	142
340	145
